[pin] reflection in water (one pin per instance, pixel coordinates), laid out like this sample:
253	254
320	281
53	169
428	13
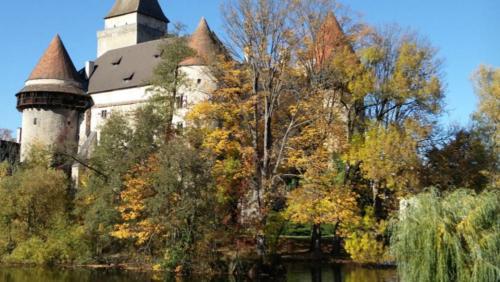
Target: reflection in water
297	272
338	273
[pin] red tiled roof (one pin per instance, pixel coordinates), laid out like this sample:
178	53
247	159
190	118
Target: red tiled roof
330	38
55	64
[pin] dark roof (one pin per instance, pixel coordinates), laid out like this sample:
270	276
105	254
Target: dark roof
134	66
146	7
205	42
55	64
126	67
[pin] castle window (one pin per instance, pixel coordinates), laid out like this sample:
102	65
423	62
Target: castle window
180	102
104	114
199	81
180	126
35	121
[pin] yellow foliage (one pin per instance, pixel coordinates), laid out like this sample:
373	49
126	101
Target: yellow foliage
389	154
363	239
138	188
319	202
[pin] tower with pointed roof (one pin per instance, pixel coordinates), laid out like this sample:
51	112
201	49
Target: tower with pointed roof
52	101
131	22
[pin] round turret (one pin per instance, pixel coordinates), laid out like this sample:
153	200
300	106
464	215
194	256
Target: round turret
52	101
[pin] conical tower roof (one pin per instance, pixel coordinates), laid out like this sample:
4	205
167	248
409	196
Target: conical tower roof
146	7
330	38
205	43
55	72
55	64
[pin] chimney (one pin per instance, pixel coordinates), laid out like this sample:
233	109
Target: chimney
89	69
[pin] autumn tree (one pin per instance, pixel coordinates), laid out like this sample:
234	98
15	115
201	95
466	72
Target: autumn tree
487	118
282	91
403	104
462	162
319	201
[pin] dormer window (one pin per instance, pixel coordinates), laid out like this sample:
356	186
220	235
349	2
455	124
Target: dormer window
128	77
158	54
116	61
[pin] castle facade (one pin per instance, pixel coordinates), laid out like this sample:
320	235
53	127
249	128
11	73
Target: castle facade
61	105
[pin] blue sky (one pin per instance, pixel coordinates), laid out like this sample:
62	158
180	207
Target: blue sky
466	32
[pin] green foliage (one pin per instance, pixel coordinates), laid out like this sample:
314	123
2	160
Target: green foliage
30	199
463	161
63	245
34	205
450	238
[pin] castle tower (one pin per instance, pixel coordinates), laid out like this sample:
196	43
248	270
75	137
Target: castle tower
131	22
52	101
206	44
207	47
330	39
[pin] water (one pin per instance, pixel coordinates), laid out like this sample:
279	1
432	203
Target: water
295	273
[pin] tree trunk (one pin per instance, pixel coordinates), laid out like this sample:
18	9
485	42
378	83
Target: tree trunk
336	246
316	273
316	240
377	204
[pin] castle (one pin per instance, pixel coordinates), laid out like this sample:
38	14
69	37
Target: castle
61	105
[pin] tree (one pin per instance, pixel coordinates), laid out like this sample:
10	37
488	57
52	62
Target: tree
487	118
31	199
270	34
448	238
126	143
463	161
402	105
321	201
168	80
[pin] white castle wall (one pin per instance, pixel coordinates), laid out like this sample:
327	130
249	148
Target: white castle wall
48	127
126	101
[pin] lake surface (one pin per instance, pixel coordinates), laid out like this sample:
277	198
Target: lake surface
295	273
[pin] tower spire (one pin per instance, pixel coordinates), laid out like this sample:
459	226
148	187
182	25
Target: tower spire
55	63
205	43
